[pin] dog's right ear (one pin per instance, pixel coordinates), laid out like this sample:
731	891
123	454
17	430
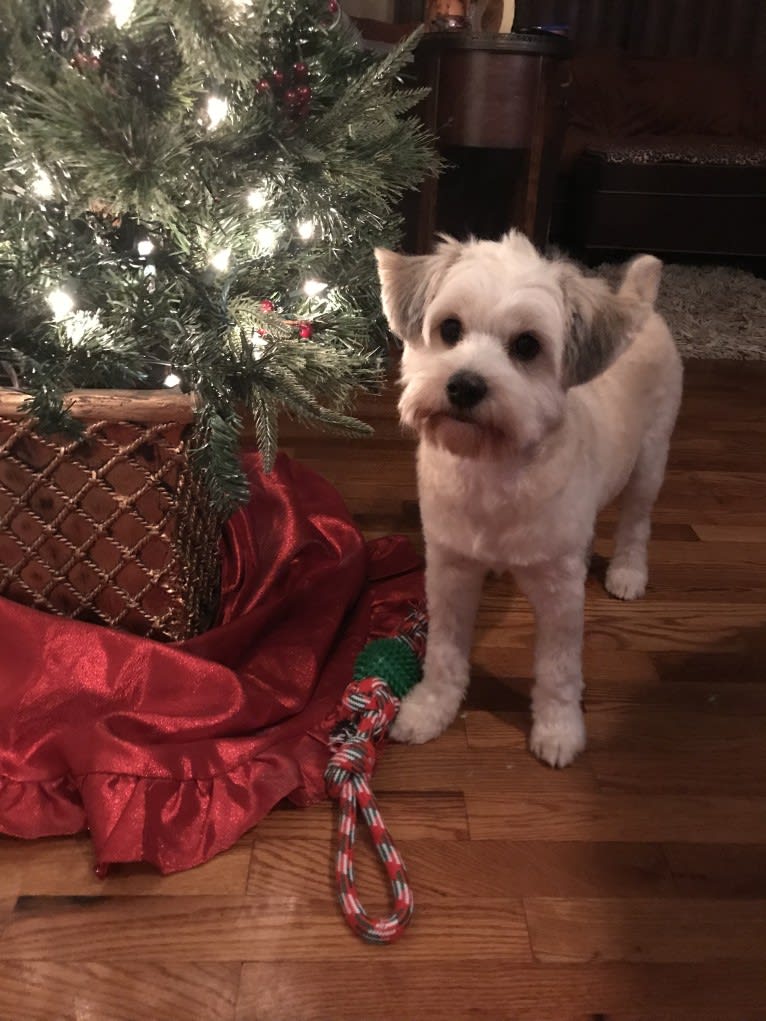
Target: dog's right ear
408	283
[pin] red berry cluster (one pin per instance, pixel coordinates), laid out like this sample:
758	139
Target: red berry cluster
85	62
305	328
290	90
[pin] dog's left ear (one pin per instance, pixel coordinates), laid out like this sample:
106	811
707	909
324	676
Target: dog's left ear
407	283
602	323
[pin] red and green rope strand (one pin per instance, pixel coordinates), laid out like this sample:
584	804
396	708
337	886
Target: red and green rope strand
384	671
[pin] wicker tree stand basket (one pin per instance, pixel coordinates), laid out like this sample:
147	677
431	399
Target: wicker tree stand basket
111	526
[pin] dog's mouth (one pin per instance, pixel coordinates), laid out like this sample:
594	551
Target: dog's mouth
460	432
463	416
455	415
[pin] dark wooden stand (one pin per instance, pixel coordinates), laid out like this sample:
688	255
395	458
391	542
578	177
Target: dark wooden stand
496	92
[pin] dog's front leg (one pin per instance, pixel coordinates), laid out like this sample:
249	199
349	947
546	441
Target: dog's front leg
453	590
556	591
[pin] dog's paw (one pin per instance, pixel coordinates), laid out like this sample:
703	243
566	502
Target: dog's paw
423	715
560	740
625	581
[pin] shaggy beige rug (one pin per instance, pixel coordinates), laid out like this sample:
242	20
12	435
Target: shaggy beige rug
713	311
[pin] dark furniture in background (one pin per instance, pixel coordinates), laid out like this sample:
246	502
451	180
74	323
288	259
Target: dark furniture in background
732	30
496	105
666	144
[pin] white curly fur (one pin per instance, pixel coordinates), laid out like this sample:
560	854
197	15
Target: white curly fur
515	483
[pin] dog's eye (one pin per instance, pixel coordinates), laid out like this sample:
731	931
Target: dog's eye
525	347
450	331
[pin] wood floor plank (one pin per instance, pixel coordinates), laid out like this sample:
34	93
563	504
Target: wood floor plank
743	665
718	553
499	702
705	583
731	533
569	930
302	871
438	815
478	871
494	990
685	753
65	866
671	625
558	813
509	770
56	991
630	731
691	696
714	451
7	906
670	531
728	513
227	929
501	675
648	773
718	870
703	489
484	869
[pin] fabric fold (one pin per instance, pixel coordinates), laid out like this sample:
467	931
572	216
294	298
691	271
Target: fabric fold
168	753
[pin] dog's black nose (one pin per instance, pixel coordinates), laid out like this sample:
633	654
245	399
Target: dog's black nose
466	389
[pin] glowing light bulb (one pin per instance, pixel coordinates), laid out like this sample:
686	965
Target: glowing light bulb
79	324
313	287
220	260
267	238
258	342
306	229
42	186
145	248
257	198
172	379
217	110
61	303
122	11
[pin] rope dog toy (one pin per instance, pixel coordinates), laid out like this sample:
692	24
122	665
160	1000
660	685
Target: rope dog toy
384	672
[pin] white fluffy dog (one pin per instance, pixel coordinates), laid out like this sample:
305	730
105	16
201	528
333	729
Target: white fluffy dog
538	394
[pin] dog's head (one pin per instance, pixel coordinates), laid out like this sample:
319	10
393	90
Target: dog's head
495	335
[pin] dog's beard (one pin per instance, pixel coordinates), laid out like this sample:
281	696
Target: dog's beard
479	436
462	434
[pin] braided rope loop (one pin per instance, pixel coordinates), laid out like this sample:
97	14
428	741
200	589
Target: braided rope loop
372	706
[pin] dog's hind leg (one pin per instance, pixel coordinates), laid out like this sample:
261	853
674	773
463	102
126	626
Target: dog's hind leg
628	571
453	590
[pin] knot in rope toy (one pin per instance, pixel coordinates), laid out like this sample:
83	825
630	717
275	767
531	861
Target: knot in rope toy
384	672
374	705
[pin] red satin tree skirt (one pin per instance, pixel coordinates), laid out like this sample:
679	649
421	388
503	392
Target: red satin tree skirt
168	753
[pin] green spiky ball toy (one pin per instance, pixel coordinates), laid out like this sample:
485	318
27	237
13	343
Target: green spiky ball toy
391	659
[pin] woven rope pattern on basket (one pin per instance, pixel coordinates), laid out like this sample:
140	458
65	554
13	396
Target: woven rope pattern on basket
109	526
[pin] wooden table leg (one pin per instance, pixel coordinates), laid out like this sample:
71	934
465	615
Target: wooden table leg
527	205
426	215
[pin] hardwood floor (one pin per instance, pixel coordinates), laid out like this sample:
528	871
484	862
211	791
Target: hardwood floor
629	886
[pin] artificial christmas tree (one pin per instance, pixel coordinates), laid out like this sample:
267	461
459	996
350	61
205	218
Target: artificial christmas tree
192	192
